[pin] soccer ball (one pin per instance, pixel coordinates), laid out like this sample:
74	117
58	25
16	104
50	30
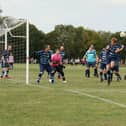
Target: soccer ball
122	34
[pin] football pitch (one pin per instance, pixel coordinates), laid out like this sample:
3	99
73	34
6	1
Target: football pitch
80	102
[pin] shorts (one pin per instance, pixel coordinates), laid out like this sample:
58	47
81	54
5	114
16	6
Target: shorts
102	66
111	59
5	65
116	68
90	64
46	67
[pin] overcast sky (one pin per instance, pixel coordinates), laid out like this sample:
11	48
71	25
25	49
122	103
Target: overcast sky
108	15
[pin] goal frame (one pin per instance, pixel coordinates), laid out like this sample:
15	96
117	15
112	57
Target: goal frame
8	30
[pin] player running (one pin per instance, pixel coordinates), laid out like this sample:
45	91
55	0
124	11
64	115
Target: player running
113	50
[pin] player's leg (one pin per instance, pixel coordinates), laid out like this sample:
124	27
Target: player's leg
87	71
7	70
112	69
3	70
95	65
101	72
108	74
108	68
2	73
60	70
59	76
105	73
42	68
124	77
51	73
117	72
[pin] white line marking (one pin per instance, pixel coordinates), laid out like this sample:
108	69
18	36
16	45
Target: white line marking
89	95
85	94
97	97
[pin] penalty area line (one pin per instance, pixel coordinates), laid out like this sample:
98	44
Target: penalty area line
96	97
87	95
84	94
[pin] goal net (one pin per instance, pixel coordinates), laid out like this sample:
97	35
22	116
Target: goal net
14	49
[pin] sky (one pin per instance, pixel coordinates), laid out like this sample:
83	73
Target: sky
107	15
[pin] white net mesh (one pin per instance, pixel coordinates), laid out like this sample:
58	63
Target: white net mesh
13	35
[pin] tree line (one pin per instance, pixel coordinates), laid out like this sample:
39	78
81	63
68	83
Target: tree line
76	40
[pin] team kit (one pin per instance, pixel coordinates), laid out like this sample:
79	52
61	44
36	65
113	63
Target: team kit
105	64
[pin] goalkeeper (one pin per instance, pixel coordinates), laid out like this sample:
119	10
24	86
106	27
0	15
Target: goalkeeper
57	64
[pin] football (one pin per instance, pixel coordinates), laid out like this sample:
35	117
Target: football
122	34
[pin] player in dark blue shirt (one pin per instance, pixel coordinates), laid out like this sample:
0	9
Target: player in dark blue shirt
5	63
113	50
62	53
103	63
50	50
115	69
44	57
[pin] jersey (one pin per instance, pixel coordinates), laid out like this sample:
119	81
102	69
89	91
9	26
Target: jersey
5	56
56	59
5	59
112	49
90	55
43	57
62	53
103	56
50	53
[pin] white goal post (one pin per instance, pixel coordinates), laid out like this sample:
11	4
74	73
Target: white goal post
7	31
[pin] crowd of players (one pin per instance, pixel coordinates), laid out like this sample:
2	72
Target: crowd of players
109	60
53	62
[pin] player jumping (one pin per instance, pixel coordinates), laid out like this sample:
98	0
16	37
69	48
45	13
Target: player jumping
113	50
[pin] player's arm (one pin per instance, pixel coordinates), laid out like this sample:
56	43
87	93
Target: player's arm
107	47
2	59
97	58
100	57
85	56
52	59
119	49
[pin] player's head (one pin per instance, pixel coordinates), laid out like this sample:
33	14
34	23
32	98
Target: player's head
11	54
91	47
61	48
113	41
57	51
46	48
9	48
49	47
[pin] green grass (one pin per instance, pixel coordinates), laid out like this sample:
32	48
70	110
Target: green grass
56	105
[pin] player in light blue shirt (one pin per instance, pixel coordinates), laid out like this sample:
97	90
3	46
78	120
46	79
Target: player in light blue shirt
90	57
